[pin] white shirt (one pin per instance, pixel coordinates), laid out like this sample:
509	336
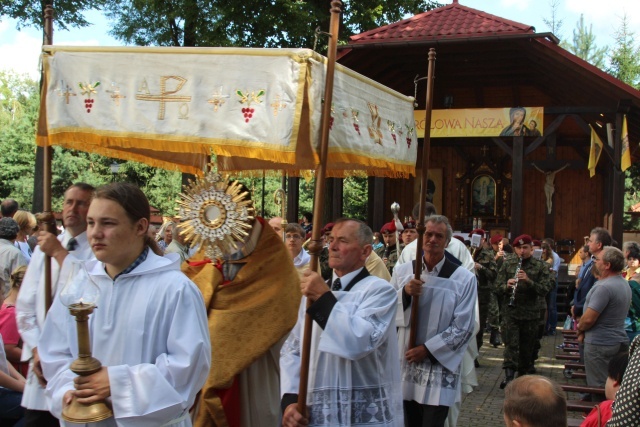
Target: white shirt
30	311
455	248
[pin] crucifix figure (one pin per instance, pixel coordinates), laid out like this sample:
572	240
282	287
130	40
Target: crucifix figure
549	187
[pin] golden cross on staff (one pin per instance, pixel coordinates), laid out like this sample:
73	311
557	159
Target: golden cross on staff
164	97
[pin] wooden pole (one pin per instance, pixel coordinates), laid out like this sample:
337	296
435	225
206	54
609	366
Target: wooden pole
46	171
315	246
420	224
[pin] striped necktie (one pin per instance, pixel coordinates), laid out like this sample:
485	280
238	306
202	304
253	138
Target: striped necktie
71	244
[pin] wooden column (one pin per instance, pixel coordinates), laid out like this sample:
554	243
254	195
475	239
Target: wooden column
293	197
376	206
337	206
617	177
517	197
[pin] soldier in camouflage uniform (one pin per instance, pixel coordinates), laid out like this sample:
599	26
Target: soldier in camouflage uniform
520	319
486	273
390	253
493	316
542	319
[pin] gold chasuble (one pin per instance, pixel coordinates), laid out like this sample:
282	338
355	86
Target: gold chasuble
247	315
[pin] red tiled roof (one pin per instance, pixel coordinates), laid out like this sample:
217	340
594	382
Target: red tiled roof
453	21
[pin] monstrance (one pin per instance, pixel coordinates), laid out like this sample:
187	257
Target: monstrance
216	214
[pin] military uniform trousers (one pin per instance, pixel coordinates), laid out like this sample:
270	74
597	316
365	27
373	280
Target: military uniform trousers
484	299
519	336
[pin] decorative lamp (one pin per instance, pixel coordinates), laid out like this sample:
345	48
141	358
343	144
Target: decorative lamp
80	295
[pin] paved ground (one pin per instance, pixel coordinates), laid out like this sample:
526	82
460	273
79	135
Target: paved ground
483	407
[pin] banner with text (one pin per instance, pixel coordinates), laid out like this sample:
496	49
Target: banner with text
482	122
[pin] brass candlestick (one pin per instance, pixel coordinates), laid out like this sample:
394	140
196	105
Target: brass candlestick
80	296
84	365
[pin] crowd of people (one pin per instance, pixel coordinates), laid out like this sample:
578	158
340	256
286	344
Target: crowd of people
188	340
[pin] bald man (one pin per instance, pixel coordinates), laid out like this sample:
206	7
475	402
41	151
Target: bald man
534	401
276	224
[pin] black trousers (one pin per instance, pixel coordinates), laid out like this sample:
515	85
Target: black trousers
417	415
33	418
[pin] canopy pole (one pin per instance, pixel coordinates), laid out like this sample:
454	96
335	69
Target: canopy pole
420	222
47	216
315	246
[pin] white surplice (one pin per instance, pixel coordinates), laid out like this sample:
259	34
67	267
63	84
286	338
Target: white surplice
30	312
354	376
149	329
446	324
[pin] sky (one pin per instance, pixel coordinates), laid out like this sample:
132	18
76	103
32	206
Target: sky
20	50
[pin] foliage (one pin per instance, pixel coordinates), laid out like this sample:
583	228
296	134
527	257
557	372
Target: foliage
625	65
18	114
31	12
249	23
355	198
584	45
625	56
554	23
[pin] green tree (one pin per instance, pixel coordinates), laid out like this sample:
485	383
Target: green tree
625	56
19	103
31	12
554	22
248	23
584	45
625	65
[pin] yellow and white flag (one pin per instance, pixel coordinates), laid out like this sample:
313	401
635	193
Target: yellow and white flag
594	153
626	152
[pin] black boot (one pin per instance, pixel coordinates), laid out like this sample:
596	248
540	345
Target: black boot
495	339
508	377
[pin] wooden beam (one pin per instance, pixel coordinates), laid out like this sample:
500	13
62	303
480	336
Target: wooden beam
517	193
500	143
293	199
548	130
375	208
617	229
557	164
579	110
338	198
587	129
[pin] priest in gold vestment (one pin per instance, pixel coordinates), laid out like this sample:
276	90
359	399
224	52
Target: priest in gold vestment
252	297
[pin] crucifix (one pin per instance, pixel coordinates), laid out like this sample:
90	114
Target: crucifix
484	150
549	187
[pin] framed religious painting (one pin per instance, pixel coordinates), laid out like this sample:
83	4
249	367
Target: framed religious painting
434	187
483	196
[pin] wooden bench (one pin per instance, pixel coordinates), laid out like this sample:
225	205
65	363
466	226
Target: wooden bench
580	406
573	365
582	389
568	356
